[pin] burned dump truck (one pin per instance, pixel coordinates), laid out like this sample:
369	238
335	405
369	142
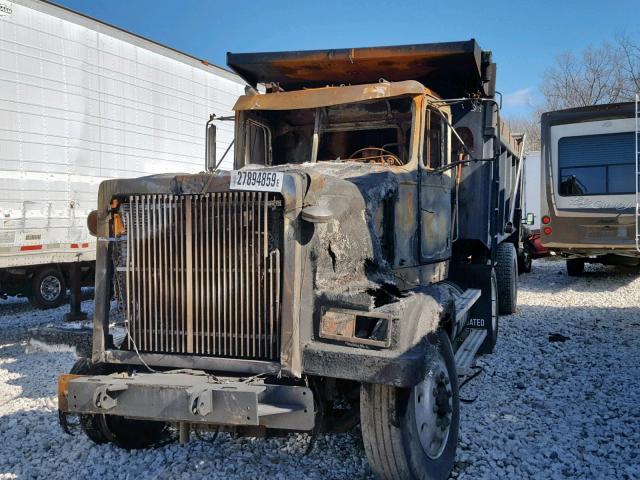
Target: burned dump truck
347	271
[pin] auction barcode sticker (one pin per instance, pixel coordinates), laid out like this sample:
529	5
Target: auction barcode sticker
256	180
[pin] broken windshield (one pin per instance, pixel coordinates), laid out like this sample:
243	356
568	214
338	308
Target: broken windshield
370	132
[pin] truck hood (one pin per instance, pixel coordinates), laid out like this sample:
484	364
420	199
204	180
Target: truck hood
346	253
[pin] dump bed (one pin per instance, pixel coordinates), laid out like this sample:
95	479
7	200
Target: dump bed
451	69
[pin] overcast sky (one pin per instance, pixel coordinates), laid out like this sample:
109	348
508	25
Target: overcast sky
524	36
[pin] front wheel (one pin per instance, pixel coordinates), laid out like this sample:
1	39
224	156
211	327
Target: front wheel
413	433
124	432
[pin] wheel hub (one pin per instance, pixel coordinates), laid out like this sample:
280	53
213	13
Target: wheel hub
433	404
50	288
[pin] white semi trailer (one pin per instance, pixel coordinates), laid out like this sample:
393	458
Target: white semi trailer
80	102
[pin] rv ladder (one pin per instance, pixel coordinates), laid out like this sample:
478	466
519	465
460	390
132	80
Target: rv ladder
637	176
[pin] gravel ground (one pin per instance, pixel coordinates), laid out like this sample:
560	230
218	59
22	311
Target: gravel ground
540	409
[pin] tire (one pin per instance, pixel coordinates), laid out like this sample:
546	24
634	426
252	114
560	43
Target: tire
90	424
507	273
48	288
126	433
575	267
525	261
132	434
489	344
389	417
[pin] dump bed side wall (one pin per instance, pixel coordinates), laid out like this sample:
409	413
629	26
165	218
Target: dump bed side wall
484	205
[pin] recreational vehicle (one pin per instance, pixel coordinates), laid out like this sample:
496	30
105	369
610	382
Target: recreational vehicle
589	185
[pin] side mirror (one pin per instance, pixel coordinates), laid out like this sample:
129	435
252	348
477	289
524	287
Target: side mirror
531	218
210	146
92	223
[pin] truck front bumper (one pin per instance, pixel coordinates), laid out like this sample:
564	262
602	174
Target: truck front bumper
188	397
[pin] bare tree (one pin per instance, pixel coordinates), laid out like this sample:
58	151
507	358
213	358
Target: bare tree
606	74
594	77
630	54
529	125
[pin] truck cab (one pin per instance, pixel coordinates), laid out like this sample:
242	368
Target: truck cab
336	276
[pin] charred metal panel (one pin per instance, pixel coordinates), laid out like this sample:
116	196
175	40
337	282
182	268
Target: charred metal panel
474	199
452	69
407	235
416	315
193	185
330	96
435	216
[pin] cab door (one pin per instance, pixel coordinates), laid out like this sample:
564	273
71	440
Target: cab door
435	190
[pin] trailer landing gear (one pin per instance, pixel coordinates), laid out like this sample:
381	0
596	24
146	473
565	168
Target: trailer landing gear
75	304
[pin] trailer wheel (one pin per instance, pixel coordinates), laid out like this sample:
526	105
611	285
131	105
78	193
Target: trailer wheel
575	267
507	273
48	288
413	433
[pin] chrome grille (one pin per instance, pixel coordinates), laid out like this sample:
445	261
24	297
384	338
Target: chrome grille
202	273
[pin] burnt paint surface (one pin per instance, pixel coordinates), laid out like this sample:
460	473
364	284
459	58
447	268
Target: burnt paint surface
452	69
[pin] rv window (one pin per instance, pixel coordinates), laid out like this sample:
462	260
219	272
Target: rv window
597	164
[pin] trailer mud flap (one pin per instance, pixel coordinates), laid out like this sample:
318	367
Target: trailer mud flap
477	277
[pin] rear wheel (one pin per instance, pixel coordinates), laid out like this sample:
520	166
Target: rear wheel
507	273
525	260
413	433
575	267
48	288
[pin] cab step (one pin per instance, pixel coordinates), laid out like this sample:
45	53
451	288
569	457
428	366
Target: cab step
465	301
468	350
